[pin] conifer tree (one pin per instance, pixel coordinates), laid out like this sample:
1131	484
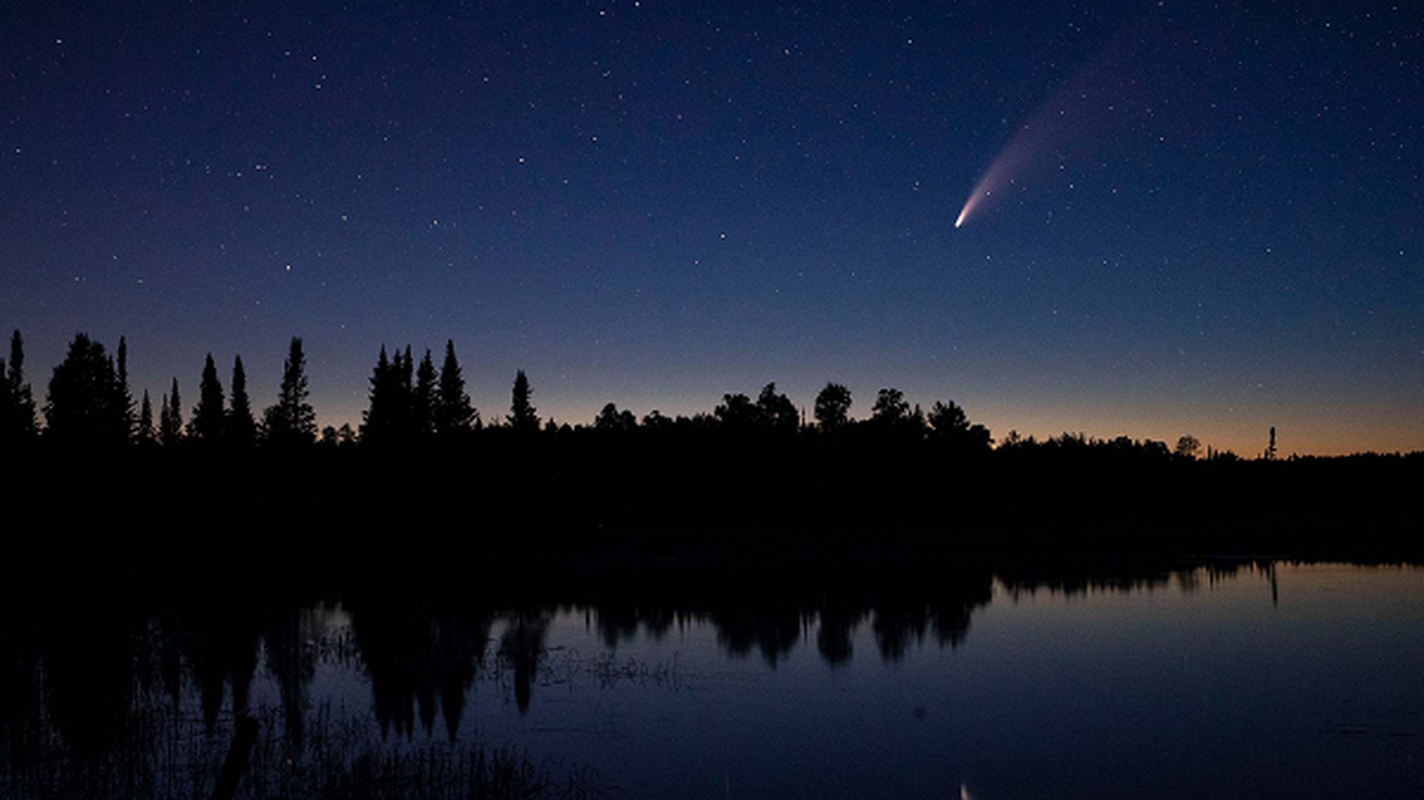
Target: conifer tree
453	412
207	424
170	418
422	399
17	403
7	406
377	421
144	435
165	422
293	420
522	416
123	400
80	408
405	370
241	427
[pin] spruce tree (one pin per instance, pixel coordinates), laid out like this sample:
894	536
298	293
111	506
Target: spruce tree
80	406
123	400
20	392
522	416
144	436
17	402
405	371
422	399
241	427
293	422
207	425
453	413
165	423
7	408
377	420
170	419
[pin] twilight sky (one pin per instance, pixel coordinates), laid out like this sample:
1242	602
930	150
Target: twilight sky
1202	218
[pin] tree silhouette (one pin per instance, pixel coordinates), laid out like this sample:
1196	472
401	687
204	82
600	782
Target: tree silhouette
737	412
165	422
381	421
82	407
292	421
611	419
522	416
124	405
890	408
144	435
241	427
17	403
206	427
951	425
422	398
170	418
656	421
1187	446
776	411
833	407
948	419
453	413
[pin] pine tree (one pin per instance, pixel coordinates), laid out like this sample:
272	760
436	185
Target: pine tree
144	436
405	371
422	399
17	403
453	413
80	408
241	427
165	423
207	424
378	420
123	400
170	418
7	406
293	420
522	416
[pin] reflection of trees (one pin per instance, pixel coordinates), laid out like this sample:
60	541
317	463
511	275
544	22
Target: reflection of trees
833	638
522	644
413	655
219	643
904	616
772	629
1123	576
80	686
293	663
460	640
770	612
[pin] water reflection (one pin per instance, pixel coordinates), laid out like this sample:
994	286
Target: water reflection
99	702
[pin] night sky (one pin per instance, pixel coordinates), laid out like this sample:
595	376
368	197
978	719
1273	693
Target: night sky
1202	218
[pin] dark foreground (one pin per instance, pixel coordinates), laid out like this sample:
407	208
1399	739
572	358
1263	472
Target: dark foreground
392	620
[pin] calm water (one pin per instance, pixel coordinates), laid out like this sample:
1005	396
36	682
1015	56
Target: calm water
1244	680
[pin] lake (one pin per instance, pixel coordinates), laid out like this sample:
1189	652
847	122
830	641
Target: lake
1241	678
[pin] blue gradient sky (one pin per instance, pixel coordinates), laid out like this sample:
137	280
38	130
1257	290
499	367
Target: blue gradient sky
655	203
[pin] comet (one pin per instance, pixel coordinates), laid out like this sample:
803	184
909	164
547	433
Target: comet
1099	97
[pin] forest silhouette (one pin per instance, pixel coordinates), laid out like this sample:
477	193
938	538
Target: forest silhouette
723	479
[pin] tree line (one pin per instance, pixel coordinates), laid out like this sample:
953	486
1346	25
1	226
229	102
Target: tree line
88	403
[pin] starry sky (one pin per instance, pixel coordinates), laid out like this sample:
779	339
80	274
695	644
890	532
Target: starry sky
1193	217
